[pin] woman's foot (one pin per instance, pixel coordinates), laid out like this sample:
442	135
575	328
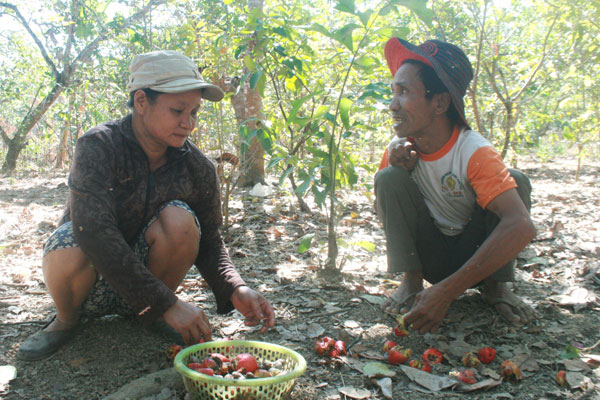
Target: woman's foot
47	341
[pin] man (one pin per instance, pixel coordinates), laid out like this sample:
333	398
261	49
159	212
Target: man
453	214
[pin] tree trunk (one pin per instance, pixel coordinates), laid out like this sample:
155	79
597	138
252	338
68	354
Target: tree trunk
475	107
579	157
332	247
19	141
61	153
509	124
252	161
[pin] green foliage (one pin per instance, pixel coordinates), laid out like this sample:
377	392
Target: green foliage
305	243
320	69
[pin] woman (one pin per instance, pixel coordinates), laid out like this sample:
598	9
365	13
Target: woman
144	206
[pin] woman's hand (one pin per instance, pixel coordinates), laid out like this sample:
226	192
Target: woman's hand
254	307
189	321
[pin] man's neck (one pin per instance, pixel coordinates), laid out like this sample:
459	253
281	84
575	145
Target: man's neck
435	138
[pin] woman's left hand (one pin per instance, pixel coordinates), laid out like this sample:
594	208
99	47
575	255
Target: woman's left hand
254	307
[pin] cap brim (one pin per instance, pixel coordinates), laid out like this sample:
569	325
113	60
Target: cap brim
397	51
209	91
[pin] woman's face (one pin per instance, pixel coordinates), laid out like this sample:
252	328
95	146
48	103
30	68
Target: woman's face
169	120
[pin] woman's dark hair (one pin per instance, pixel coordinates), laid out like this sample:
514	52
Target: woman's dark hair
433	85
152	95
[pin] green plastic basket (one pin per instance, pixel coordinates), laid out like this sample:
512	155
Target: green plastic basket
201	386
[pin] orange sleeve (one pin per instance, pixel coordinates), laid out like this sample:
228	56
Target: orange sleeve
384	163
488	175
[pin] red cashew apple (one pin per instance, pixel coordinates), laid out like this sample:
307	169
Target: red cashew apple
194	366
388	344
340	347
561	378
246	361
432	356
220	356
510	371
470	359
206	371
486	354
467	376
400	332
262	373
172	351
211	363
398	355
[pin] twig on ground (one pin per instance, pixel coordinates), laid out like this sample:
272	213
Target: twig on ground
591	347
23	323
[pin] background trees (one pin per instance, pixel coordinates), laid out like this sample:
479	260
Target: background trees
72	31
310	71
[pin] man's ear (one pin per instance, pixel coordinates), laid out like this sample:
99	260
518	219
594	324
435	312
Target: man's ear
442	102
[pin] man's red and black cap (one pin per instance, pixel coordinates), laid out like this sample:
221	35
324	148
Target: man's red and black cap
448	61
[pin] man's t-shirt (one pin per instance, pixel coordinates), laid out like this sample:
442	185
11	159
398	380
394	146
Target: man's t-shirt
466	171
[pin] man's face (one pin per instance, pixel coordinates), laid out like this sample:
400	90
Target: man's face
412	113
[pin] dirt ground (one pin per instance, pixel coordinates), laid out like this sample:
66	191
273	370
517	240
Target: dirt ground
555	275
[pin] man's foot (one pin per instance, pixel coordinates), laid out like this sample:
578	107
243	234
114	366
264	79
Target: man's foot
403	298
47	341
509	306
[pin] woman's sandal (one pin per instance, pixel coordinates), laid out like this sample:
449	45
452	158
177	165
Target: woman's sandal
43	344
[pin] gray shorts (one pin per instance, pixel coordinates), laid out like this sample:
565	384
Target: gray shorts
103	300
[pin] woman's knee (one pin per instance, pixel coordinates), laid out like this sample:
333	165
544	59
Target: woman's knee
66	262
174	225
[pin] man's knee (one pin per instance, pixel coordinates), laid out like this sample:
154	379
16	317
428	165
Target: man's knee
523	186
391	178
174	225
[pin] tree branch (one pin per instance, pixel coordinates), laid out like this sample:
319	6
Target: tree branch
473	87
539	65
4	135
75	6
492	75
504	84
106	33
442	31
479	47
37	41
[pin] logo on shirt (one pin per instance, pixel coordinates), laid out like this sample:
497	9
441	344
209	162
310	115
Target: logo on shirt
451	185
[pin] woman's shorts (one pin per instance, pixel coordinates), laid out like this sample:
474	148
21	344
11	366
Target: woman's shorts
103	300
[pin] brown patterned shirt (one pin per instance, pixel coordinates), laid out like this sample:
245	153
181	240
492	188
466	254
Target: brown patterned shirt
112	197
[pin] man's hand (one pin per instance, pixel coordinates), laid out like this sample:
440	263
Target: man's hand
403	154
429	309
254	307
189	321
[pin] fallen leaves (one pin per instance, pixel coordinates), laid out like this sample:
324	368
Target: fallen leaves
432	382
377	370
578	297
355	393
